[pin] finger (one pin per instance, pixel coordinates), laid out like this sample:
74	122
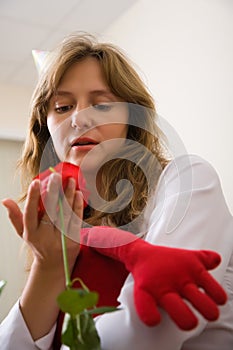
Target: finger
179	311
78	204
31	206
15	215
68	201
212	288
202	302
76	219
70	192
146	307
52	196
209	258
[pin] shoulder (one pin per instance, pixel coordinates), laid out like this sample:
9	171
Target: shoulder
189	202
189	163
187	172
187	182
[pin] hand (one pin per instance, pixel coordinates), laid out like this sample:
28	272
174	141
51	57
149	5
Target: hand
163	276
46	278
43	236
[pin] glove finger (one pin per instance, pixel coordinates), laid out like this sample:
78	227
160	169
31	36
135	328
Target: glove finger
212	288
179	311
209	258
146	307
202	302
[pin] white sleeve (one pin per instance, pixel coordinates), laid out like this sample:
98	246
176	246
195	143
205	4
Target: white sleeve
189	212
14	333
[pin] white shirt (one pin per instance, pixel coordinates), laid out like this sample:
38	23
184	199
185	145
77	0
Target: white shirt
187	211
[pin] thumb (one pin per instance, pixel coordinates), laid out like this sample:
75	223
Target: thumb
15	215
210	259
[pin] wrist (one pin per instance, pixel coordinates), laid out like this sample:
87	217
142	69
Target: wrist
54	264
48	271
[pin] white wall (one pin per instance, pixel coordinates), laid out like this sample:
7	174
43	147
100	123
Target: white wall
14	101
12	257
14	113
184	49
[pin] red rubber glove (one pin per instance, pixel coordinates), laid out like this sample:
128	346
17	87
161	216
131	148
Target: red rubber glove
163	276
67	170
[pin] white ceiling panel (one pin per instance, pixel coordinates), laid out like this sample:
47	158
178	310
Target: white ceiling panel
31	24
25	72
5	70
16	38
43	12
98	14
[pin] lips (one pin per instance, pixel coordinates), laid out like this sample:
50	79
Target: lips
83	144
83	141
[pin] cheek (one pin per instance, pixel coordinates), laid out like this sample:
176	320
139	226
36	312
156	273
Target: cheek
52	124
119	129
57	133
114	131
57	127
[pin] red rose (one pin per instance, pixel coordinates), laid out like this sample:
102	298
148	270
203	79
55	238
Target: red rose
67	170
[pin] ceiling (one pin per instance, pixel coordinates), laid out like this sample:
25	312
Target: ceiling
31	24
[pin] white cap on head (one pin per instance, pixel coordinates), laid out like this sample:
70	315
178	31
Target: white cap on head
39	57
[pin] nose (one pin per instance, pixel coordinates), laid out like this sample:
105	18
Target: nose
81	118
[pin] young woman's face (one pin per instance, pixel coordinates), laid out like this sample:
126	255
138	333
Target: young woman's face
86	121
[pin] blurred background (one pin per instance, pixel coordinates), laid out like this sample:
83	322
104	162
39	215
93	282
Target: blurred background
182	49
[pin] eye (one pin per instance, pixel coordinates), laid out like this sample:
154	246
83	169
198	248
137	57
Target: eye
102	107
63	109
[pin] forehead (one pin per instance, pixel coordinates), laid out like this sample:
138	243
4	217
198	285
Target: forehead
84	73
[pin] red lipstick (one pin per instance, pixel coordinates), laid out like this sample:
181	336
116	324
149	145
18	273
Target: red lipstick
83	144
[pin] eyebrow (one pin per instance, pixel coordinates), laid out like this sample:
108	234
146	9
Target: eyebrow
94	92
102	92
62	93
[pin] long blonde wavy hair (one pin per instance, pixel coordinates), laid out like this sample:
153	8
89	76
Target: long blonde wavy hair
123	82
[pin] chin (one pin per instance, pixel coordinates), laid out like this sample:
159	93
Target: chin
89	163
72	161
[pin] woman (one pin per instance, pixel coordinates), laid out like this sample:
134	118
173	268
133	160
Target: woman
90	108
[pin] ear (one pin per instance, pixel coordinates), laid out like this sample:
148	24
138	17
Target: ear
40	57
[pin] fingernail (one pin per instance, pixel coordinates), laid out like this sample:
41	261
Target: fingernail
53	179
4	202
35	182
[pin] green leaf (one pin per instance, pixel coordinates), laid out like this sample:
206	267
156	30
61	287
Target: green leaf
75	301
88	335
101	310
79	333
2	285
69	335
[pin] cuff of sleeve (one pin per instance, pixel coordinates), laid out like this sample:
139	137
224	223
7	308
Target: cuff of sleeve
17	334
45	342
